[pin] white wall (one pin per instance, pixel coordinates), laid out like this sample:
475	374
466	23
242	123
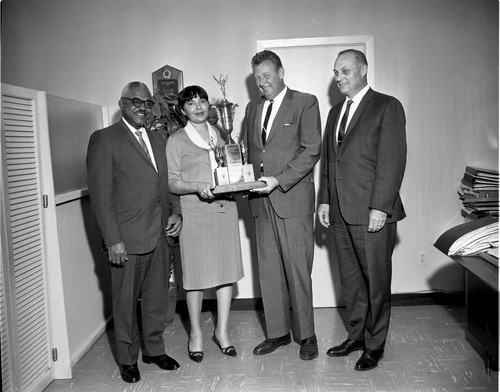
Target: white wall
439	58
86	280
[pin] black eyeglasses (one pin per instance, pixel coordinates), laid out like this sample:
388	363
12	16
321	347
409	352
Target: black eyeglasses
137	102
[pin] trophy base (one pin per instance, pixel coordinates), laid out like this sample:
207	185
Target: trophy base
238	187
248	175
234	174
221	175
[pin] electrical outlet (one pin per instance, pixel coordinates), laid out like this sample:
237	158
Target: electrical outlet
422	258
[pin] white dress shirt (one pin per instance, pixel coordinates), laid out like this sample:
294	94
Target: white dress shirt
145	137
276	105
354	105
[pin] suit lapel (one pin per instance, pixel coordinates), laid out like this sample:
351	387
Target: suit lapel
135	143
158	152
335	145
360	109
281	115
357	114
257	122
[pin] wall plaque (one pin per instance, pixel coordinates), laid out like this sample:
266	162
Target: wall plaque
167	82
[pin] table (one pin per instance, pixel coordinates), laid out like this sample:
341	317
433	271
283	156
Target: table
481	296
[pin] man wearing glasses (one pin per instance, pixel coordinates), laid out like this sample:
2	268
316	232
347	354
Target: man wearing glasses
127	182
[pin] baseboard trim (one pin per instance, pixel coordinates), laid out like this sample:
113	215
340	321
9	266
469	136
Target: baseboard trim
91	339
408	299
434	298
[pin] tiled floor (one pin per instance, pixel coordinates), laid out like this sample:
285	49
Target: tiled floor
427	350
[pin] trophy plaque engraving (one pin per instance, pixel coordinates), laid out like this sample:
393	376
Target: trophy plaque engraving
234	173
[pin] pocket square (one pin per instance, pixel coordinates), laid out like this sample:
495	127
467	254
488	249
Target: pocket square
288	124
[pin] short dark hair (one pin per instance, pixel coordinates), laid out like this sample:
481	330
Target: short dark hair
358	55
267	55
189	93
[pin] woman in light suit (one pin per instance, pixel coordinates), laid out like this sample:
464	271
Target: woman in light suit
210	240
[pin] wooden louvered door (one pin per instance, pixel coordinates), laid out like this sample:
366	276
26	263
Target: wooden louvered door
4	327
25	332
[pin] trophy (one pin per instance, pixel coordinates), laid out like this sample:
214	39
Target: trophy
232	158
225	109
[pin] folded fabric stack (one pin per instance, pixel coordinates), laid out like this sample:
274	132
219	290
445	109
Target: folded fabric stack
470	238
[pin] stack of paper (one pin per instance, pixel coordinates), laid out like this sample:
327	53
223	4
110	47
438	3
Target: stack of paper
476	241
470	238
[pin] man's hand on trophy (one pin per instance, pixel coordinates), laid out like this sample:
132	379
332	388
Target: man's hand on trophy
204	189
271	184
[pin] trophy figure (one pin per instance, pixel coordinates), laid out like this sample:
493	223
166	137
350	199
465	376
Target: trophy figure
248	174
221	173
225	109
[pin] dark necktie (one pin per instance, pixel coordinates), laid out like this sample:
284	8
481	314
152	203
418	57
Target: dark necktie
143	144
266	120
343	123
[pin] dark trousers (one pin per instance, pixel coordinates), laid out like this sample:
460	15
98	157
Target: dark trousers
146	277
285	250
365	267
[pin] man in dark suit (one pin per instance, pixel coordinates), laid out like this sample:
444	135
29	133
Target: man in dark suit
283	133
363	162
127	181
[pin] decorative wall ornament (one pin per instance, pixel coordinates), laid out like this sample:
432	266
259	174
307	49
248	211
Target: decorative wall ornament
167	117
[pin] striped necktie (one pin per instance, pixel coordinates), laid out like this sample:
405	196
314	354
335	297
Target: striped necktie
266	120
143	144
343	123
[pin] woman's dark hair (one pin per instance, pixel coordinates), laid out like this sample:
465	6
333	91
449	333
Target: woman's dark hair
189	93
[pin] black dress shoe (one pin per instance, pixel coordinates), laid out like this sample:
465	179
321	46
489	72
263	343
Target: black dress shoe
130	373
309	348
229	350
345	348
269	345
163	361
369	359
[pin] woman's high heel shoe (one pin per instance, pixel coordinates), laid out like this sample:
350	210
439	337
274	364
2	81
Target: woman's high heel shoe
229	350
196	356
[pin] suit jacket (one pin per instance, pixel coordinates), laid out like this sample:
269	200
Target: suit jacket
292	149
130	198
367	170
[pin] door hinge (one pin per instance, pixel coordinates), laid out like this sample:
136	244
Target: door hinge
45	201
54	354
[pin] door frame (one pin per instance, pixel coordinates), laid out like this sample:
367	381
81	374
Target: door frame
55	292
356	40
